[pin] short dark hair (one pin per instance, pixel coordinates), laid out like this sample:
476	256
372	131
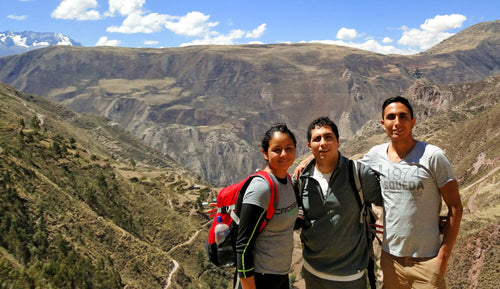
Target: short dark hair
400	99
321	122
278	127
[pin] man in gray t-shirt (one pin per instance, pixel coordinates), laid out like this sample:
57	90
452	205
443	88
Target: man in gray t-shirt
413	178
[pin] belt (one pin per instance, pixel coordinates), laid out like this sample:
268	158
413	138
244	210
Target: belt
406	259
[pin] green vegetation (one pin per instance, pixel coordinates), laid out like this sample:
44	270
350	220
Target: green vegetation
73	216
37	262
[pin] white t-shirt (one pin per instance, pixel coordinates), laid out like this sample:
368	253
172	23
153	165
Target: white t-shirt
322	179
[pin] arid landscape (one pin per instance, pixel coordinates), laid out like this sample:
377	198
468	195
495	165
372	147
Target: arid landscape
107	154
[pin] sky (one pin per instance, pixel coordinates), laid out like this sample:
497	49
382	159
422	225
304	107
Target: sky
382	26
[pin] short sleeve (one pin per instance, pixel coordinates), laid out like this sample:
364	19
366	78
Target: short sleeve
442	168
257	193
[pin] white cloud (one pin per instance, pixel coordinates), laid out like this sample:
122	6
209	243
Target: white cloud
369	45
136	23
218	39
432	31
151	42
347	34
372	45
257	32
387	40
256	42
104	41
17	17
126	7
193	24
412	41
136	20
442	23
422	39
76	9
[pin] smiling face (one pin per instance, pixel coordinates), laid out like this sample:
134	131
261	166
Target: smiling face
398	122
281	153
324	145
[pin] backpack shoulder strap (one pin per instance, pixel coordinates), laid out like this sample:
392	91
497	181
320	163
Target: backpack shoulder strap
354	179
273	202
355	182
354	170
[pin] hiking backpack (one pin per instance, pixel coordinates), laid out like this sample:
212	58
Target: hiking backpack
229	201
367	217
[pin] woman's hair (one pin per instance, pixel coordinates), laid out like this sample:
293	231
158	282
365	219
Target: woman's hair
400	99
278	127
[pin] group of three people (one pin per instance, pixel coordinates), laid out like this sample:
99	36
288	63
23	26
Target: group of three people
407	177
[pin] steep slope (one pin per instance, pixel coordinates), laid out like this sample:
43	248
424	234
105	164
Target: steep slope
484	35
207	106
85	205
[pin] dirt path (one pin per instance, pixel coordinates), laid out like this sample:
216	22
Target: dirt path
176	264
169	279
471	204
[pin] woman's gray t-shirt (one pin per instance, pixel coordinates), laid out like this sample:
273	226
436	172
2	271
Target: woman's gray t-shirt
274	245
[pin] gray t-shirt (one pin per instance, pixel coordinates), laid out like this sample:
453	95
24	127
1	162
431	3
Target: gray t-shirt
412	199
274	245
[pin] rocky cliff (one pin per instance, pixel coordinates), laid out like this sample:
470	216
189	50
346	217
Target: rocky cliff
208	106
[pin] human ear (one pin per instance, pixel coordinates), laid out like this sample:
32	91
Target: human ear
264	153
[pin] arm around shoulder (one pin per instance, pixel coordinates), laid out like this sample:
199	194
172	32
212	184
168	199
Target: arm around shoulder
370	184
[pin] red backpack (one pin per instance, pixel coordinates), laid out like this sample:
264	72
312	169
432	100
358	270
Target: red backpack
229	201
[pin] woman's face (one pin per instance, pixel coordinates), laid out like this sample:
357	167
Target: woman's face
280	154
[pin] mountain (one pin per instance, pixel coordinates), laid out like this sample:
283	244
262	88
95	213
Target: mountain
208	106
84	204
19	42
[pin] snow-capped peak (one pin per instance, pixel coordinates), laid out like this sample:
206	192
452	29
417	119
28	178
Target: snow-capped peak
18	42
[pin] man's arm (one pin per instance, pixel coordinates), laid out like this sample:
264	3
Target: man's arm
370	184
303	164
451	197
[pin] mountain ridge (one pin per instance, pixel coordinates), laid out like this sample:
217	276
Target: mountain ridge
180	100
18	42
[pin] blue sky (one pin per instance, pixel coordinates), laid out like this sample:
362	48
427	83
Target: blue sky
401	27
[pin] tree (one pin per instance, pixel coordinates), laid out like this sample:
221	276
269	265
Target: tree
22	123
56	148
35	123
72	142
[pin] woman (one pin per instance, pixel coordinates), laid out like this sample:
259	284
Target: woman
264	259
